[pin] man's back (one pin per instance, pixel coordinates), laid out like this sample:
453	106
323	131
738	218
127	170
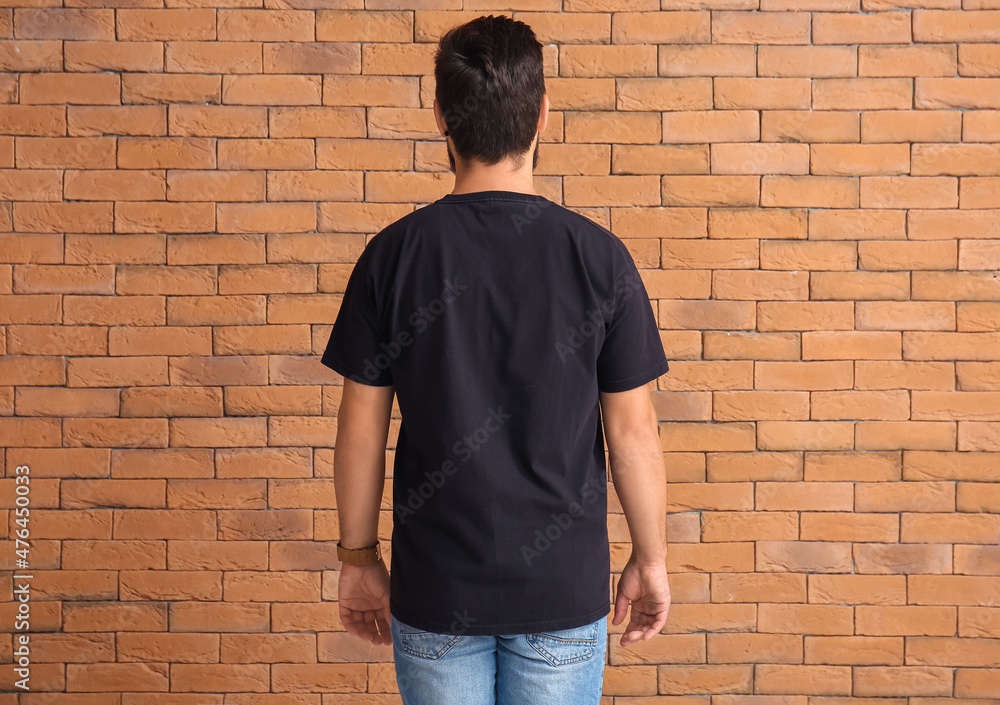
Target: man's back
498	317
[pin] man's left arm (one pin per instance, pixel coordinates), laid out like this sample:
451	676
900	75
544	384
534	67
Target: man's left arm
359	478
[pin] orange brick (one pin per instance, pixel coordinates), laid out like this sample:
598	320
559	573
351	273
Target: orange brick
857	225
754	648
805	315
906	61
905	497
973	683
614	61
956	92
266	154
953	590
611	190
906	435
31	55
807	61
659	159
218	433
272	90
751	346
905	621
922	126
145	120
979	192
972	286
791	376
977	497
153	217
607	127
978	376
954	159
860	285
213	185
31	185
391	91
36	369
55	340
39	121
167	24
760	28
868	467
954	26
711	126
313	247
754	222
216	249
659	28
662	93
699	375
217	121
166	153
60	217
931	346
903	256
851	345
406	188
363	26
681	284
359	217
65	23
758	587
977	560
114	56
736	467
978	60
810	191
59	279
710	254
880	406
760	158
978	621
809	126
982	406
213	57
171	88
117	372
762	93
977	316
862	93
572	159
115	433
869	28
31	309
706	60
104	185
805	435
735	191
859	159
848	526
749	525
830	620
65	152
701	437
383	59
685	680
754	406
311	57
878	681
266	217
574	28
728	315
815	680
854	650
973	435
159	340
171	401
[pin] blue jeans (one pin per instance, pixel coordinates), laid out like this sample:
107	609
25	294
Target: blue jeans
548	668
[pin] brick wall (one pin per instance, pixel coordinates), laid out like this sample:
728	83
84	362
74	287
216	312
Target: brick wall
810	187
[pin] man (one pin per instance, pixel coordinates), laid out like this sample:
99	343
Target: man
506	326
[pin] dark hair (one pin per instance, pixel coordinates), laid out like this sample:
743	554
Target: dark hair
490	82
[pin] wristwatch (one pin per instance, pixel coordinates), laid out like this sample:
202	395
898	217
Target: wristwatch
359	556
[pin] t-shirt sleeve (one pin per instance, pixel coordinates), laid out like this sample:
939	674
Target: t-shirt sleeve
357	348
632	353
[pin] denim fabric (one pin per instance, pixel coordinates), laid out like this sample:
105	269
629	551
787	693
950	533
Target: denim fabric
563	667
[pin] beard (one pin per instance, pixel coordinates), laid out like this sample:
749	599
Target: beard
451	156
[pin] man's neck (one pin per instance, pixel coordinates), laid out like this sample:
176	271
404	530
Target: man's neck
473	176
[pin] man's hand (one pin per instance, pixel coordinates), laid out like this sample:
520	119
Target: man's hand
647	589
364	601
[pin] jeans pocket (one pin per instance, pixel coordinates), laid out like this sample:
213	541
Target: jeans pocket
426	645
566	646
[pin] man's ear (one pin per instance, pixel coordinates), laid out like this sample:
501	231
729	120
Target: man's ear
439	118
543	117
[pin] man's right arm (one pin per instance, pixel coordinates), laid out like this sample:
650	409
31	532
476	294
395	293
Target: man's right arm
636	460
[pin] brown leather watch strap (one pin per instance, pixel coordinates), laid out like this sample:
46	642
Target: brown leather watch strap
359	556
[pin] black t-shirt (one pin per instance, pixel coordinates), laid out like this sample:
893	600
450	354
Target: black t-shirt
497	316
